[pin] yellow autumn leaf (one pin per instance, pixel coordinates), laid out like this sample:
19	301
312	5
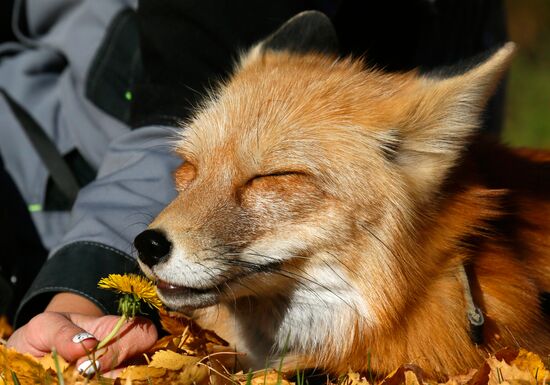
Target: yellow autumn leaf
533	364
27	369
166	343
192	375
411	379
355	378
48	362
170	360
5	328
141	373
272	378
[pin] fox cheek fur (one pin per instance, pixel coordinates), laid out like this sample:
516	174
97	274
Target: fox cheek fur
332	209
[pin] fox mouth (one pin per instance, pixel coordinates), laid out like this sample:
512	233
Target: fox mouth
186	297
168	289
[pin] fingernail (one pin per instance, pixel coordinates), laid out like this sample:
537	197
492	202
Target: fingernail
88	368
82	336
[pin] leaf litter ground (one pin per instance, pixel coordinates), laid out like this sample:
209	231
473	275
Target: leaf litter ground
189	355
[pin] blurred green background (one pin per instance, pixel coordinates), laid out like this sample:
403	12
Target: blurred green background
527	120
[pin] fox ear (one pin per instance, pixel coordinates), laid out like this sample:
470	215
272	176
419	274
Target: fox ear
306	32
441	114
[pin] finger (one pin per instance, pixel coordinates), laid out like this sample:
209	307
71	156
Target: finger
113	374
18	341
54	330
135	337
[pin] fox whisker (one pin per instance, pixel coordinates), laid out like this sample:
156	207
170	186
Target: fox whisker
297	278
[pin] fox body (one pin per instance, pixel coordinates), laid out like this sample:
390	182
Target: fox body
328	209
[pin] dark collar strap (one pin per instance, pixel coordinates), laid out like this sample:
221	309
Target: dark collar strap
46	149
473	312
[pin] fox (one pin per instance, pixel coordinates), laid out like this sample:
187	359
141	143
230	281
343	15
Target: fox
349	218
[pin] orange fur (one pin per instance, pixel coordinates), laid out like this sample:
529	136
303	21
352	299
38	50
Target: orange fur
362	183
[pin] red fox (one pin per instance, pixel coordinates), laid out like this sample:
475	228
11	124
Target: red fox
336	212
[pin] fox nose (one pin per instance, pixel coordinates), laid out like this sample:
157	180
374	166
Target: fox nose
152	245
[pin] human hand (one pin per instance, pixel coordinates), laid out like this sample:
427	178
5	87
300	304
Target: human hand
74	335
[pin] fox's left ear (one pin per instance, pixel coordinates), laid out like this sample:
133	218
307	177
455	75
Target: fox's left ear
306	32
439	114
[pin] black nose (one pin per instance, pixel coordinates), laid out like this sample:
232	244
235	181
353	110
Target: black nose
152	246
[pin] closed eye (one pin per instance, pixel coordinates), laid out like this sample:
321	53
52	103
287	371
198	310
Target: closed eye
276	187
276	175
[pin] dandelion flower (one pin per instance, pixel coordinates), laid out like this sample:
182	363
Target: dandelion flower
135	289
134	284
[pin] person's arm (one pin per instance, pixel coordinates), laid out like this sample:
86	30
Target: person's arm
133	184
73	303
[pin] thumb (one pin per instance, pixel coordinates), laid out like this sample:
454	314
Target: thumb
50	330
137	336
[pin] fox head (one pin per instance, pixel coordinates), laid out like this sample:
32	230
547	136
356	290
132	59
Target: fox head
304	182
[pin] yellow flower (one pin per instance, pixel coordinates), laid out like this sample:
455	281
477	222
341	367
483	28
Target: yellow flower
135	289
140	287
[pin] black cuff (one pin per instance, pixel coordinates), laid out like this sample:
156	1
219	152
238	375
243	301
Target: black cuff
76	268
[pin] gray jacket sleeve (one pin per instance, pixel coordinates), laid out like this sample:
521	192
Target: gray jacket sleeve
133	184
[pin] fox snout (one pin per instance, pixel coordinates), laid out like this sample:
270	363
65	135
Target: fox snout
152	246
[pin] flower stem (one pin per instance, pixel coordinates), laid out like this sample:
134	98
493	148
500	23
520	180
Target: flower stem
113	332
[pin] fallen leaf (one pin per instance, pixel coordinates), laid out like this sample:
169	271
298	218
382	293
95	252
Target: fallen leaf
192	375
532	363
503	372
411	379
174	324
141	373
481	377
399	376
27	368
48	362
462	379
272	378
392	378
5	328
355	378
166	343
166	359
194	338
